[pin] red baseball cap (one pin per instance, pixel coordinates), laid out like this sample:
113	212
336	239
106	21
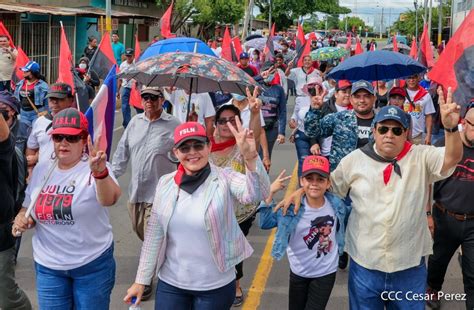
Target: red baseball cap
70	122
343	84
315	164
189	131
397	91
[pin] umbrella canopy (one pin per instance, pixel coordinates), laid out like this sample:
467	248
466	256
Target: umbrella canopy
278	38
182	44
259	44
405	49
328	53
198	73
376	66
253	36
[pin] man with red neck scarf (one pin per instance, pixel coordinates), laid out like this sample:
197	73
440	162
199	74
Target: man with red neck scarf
302	74
421	109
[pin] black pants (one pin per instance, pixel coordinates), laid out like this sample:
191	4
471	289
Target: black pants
310	294
245	227
448	236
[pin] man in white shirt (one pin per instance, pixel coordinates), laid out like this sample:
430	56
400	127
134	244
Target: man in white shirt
39	146
301	75
201	109
8	56
126	86
421	109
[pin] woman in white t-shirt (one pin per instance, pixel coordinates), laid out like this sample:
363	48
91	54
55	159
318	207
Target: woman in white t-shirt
193	240
73	241
312	238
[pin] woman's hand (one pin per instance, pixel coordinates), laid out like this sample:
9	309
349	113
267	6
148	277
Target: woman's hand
292	123
134	290
21	223
97	158
246	143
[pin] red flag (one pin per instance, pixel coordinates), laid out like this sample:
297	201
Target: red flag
103	58
21	61
227	46
135	97
414	49
349	43
237	45
272	32
166	23
306	51
65	62
454	67
358	48
425	54
300	40
395	44
4	32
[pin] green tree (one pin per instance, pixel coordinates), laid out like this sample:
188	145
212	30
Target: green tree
352	22
285	12
205	14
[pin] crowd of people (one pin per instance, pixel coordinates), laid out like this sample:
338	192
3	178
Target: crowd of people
374	192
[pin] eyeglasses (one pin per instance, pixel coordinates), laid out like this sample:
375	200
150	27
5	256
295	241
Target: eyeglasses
224	120
69	138
150	97
186	148
397	131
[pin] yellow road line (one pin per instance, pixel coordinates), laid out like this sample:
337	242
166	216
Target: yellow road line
265	265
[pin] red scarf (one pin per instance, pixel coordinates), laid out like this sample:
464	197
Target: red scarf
418	96
215	147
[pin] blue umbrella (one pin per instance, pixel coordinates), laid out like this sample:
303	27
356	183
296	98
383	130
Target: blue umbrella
376	66
181	44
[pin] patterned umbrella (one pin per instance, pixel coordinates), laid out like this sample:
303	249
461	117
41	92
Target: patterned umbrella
328	53
259	43
197	73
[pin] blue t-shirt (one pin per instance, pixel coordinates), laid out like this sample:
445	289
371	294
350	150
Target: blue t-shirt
119	50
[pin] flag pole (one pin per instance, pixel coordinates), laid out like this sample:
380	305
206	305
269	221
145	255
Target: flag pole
108	15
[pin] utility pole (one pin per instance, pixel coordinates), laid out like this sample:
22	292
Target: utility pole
381	24
108	15
416	20
440	21
425	15
429	19
269	15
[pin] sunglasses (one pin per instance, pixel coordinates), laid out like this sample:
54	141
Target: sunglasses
224	120
186	148
397	131
150	97
69	138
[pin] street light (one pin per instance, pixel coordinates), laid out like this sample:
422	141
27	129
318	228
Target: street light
415	3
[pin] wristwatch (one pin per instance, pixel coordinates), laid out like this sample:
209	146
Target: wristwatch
454	129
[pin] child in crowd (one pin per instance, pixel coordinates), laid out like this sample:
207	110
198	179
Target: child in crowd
313	238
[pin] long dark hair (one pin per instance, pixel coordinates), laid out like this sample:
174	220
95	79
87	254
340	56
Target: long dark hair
227	107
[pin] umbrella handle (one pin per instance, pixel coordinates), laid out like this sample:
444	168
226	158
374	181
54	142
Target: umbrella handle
189	100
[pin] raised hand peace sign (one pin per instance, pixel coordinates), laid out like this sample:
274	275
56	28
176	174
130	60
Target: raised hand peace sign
254	103
97	158
245	139
450	110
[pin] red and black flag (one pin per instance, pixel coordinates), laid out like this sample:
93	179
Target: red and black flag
455	66
425	53
228	52
165	23
306	48
103	58
237	46
299	44
269	51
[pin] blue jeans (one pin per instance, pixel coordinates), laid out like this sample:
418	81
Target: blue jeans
126	113
373	289
26	121
303	145
85	287
169	297
5	85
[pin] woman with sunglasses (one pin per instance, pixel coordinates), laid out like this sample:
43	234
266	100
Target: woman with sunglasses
193	239
302	142
73	242
225	153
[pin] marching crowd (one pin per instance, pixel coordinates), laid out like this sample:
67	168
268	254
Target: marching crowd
375	193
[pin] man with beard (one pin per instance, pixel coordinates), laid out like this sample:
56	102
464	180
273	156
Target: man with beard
146	143
453	215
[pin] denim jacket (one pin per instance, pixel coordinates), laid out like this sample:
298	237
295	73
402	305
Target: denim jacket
41	90
286	224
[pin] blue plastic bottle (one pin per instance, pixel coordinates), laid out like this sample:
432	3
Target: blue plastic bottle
133	306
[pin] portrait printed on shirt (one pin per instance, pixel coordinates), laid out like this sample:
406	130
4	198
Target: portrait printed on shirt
320	233
53	205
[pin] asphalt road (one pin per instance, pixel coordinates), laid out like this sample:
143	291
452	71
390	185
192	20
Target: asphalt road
265	281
